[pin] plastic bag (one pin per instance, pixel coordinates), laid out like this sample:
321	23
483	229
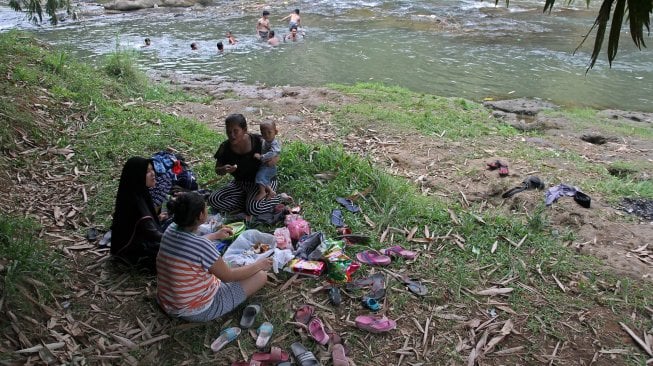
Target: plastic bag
339	266
211	225
242	251
308	246
282	235
298	228
281	258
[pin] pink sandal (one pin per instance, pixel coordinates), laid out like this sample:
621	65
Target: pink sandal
375	323
339	356
399	251
373	258
316	330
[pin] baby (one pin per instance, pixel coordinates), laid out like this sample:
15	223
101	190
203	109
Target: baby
271	148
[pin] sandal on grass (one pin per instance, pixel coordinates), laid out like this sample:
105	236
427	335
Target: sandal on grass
348	204
373	258
304	313
339	356
336	218
249	315
503	170
303	357
275	356
334	296
399	251
375	323
264	334
415	286
377	281
317	331
226	336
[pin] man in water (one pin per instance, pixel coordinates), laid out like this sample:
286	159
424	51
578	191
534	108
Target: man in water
263	26
147	42
292	36
220	47
272	40
295	20
193	46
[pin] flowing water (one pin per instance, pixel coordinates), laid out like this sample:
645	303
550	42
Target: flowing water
462	48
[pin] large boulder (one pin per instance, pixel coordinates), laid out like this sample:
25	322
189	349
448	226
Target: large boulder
528	107
127	5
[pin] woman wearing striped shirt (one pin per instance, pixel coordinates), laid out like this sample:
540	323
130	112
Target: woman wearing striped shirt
193	281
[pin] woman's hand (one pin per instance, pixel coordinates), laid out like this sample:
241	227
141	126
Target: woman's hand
257	156
163	216
264	264
223	233
224	169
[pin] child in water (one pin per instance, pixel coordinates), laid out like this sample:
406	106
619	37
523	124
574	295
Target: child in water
271	148
295	20
231	39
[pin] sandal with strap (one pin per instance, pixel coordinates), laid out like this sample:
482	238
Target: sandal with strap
303	356
226	336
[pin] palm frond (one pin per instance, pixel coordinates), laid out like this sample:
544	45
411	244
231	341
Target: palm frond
639	16
601	24
615	29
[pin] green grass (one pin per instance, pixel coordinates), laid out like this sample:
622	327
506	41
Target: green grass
584	120
453	119
26	257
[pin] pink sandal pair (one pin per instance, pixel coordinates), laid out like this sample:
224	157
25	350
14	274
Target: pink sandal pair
382	258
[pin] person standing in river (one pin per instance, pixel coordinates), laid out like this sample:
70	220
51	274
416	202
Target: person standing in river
295	20
263	26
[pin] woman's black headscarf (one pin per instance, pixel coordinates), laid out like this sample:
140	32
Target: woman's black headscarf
134	208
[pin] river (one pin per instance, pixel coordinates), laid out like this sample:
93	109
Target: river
461	48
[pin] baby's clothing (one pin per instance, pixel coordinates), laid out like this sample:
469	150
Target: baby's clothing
265	172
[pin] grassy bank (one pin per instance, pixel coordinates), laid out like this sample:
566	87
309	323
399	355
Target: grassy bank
109	113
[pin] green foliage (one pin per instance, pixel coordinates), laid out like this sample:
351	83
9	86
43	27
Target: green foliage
120	65
34	9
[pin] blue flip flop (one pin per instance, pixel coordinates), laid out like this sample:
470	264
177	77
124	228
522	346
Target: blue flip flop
348	204
264	334
225	337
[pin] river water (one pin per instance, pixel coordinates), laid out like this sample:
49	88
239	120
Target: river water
462	48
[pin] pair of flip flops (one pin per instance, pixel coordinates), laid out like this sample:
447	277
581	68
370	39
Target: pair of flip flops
305	314
498	164
382	258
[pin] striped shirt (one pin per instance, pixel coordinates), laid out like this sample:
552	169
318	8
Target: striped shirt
184	284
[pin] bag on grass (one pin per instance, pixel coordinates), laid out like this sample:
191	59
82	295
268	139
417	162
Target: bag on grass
243	250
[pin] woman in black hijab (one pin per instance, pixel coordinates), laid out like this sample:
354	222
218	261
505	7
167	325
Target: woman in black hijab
136	230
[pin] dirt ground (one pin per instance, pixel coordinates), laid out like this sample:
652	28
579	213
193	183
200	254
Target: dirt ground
436	167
